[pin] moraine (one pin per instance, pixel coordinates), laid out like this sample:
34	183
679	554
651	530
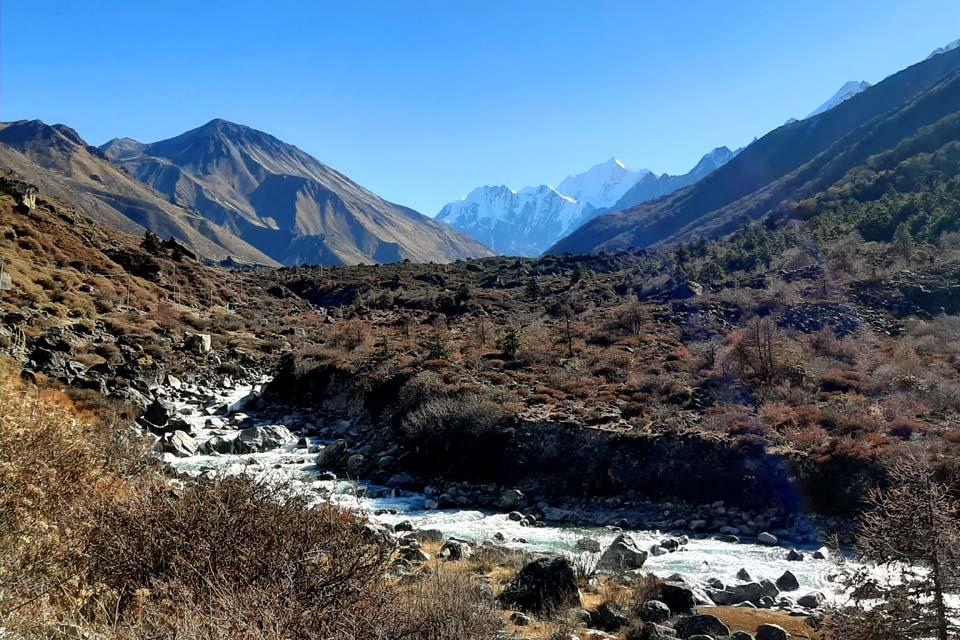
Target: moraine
700	560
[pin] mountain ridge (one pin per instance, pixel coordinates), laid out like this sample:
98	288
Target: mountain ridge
228	172
763	162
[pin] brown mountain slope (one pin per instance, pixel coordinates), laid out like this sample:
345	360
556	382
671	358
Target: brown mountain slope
58	161
283	201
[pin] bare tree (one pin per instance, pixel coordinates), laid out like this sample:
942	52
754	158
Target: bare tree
758	351
912	535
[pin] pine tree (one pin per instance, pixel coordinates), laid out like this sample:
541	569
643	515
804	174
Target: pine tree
903	245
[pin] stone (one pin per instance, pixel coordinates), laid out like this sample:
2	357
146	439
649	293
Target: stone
771	632
355	464
659	632
741	635
767	539
608	617
263	438
654	611
198	343
623	554
511	499
682	597
794	556
427	536
787	582
749	592
515	516
520	619
332	454
657	550
159	413
455	550
544	585
702	625
811	600
179	444
744	575
589	545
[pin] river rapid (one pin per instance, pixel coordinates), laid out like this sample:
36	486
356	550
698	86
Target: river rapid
702	559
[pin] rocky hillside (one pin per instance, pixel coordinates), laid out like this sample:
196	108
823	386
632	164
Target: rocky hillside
283	201
59	161
795	161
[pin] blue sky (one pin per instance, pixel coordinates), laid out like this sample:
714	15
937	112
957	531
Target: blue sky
422	101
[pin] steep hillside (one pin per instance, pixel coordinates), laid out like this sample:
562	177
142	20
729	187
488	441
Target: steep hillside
57	160
772	158
283	201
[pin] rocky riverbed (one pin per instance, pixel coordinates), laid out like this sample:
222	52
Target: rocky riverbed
228	430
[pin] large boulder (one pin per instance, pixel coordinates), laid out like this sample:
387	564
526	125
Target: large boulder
682	597
158	414
179	444
544	585
654	611
332	455
750	592
608	617
788	582
622	555
263	438
811	600
702	625
198	343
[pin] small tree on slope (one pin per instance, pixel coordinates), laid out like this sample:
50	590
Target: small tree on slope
911	531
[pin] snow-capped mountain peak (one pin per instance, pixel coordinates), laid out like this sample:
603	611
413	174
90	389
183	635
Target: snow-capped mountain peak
601	185
950	47
847	91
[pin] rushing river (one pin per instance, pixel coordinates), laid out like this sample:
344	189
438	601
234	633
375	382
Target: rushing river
699	560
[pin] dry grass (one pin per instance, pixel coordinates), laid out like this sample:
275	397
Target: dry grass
743	619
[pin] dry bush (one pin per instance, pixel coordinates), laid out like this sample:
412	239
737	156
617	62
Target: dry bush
53	462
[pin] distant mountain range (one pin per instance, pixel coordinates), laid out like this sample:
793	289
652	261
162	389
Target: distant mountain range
788	164
528	221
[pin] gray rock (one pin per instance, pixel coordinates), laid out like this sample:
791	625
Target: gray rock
544	585
520	619
744	575
788	582
199	343
767	539
794	556
682	597
179	444
702	625
455	550
659	632
623	554
608	617
589	545
749	592
332	454
511	499
771	632
741	635
811	600
263	438
355	464
654	611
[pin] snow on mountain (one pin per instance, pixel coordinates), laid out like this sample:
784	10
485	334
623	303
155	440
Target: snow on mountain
847	91
601	185
950	47
511	222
